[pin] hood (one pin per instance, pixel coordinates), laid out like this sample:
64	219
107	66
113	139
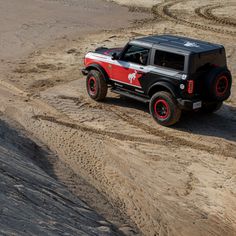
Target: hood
108	51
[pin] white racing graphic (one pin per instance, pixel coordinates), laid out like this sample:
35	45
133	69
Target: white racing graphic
191	44
130	65
132	76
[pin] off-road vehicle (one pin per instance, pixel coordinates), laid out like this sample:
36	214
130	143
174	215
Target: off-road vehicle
170	73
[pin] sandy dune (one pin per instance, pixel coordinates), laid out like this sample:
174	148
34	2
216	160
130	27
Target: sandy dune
166	181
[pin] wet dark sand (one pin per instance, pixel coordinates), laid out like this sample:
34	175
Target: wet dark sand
33	203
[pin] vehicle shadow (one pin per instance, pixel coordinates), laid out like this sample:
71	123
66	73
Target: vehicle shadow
221	124
126	103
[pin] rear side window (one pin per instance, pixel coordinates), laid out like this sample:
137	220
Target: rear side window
203	61
169	60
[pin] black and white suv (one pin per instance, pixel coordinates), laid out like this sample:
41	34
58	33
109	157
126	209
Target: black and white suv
171	73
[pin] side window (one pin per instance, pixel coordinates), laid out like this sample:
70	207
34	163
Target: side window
136	54
169	60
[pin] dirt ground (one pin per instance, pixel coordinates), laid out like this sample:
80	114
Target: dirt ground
160	181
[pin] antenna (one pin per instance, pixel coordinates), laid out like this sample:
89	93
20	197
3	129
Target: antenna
153	17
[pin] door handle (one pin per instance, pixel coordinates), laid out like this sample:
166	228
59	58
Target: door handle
140	72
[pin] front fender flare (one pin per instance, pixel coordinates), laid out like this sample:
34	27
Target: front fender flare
99	68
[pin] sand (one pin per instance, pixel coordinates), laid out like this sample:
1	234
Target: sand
138	3
165	181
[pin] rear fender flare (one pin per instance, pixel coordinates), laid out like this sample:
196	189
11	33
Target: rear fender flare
162	86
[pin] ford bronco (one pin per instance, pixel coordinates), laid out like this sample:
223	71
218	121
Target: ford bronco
171	73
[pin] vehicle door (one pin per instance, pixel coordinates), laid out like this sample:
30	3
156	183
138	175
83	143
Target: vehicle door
131	66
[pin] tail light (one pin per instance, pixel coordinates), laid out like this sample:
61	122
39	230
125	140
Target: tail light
190	86
215	65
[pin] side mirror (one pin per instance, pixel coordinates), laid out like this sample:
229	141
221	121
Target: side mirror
114	56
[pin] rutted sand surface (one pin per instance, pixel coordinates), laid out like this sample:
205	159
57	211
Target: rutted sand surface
23	30
168	181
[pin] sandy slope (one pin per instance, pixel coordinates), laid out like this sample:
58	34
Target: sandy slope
33	203
169	181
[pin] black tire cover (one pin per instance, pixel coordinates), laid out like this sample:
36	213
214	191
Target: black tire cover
218	84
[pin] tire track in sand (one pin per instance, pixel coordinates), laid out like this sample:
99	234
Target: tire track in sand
206	13
75	125
164	138
163	10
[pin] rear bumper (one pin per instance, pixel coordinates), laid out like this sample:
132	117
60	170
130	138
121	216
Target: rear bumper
189	104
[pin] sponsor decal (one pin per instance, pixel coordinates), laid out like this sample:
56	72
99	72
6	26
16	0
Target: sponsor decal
191	44
132	76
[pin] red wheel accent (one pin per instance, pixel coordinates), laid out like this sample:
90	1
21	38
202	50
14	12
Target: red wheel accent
161	109
221	85
92	85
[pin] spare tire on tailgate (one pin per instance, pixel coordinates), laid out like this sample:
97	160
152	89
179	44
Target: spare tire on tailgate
218	84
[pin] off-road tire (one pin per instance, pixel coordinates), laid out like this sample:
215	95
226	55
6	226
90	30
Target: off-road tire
164	109
211	107
218	84
96	85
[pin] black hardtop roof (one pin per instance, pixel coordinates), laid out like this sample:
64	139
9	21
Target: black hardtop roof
179	43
